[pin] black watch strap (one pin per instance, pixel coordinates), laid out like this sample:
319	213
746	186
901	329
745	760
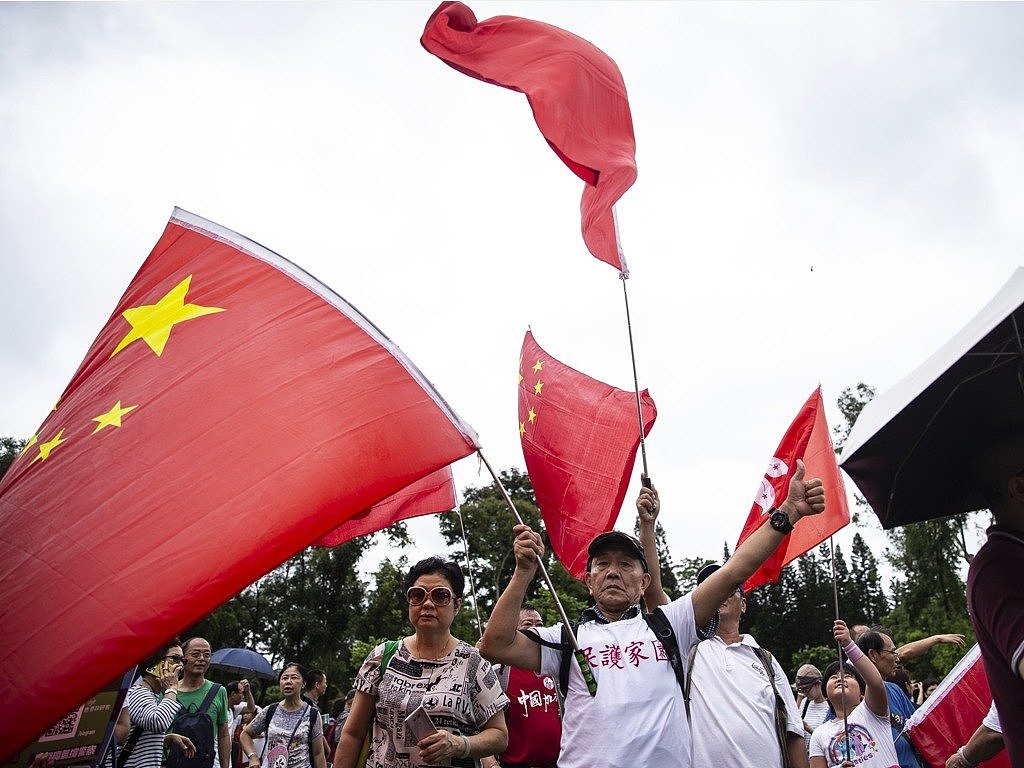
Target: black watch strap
779	520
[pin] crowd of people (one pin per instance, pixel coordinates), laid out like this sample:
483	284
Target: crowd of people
640	680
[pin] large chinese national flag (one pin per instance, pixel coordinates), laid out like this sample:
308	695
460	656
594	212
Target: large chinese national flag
807	438
580	438
231	411
952	714
427	496
577	96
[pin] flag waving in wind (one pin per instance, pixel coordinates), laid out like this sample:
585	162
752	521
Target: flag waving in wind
580	438
807	438
577	95
231	398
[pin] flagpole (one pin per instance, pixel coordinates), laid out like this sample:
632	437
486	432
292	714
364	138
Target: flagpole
636	383
842	671
469	570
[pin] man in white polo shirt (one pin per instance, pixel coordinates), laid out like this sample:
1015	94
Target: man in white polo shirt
735	690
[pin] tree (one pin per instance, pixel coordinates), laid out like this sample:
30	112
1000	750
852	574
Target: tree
10	448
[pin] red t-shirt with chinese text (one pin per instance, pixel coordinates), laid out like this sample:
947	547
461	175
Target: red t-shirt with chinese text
534	727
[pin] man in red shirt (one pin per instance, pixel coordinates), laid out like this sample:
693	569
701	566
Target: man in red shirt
532	717
994	591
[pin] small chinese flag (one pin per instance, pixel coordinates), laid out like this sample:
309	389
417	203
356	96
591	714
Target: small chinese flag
807	438
427	496
580	438
232	410
577	96
951	715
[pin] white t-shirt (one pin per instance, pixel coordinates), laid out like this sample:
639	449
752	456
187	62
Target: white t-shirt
991	720
870	740
732	706
637	717
814	715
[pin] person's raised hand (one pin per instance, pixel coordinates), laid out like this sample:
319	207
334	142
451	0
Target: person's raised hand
806	497
647	504
841	632
528	548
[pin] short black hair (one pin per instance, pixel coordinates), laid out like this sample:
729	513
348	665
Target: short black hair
161	652
303	672
871	641
451	571
231	687
833	669
529	607
337	707
314	677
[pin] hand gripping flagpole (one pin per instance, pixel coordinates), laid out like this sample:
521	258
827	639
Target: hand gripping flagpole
839	648
581	659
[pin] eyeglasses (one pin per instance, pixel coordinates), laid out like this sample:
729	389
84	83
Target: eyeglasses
199	654
439	596
894	652
175	658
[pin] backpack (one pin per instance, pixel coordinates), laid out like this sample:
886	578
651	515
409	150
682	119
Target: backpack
197	726
390	649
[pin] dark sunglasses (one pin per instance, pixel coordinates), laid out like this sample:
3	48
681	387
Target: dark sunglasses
439	596
175	659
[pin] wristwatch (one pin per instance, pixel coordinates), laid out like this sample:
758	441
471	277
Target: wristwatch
779	520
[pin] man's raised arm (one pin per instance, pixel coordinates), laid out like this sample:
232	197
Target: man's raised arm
502	643
805	498
647	508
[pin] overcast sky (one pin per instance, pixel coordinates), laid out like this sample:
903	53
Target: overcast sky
826	193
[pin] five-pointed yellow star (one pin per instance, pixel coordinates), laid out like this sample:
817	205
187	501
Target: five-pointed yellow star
522	429
31	441
153	322
532	415
537	387
538	366
520	378
112	418
46	448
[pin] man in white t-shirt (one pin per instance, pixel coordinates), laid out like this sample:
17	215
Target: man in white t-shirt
733	697
636	716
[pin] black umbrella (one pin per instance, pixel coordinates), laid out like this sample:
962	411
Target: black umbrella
242	662
910	450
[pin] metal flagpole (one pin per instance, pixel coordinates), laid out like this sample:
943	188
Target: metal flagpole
469	570
581	659
842	669
636	383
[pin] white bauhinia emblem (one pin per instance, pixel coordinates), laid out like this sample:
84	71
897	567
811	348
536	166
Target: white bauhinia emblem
765	496
777	468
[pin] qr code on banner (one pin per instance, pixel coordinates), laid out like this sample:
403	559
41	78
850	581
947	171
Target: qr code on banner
65	728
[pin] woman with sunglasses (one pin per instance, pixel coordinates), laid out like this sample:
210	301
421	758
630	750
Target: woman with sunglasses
431	669
149	709
810	700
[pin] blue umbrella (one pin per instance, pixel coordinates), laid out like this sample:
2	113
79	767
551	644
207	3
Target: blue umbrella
242	662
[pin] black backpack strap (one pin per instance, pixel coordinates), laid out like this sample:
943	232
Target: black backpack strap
210	696
129	745
662	629
781	718
266	727
313	713
566	659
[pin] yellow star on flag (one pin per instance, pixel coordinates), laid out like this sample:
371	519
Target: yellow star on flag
532	415
153	322
112	418
538	366
537	387
46	448
31	441
520	378
522	429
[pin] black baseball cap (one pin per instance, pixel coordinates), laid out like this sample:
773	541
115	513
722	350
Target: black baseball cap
710	568
616	540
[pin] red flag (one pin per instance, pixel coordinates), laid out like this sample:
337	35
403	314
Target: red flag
580	438
951	715
807	438
231	411
577	96
427	496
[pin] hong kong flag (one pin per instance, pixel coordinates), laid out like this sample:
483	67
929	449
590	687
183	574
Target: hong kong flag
232	410
577	96
807	438
580	438
952	714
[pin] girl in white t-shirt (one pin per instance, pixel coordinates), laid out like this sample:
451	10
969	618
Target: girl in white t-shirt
860	736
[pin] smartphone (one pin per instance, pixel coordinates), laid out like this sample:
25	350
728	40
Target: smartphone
419	724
